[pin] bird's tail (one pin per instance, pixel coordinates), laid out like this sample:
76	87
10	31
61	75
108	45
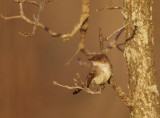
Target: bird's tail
76	91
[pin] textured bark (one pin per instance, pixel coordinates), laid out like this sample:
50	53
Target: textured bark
140	60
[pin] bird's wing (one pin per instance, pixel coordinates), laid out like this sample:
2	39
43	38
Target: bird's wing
90	76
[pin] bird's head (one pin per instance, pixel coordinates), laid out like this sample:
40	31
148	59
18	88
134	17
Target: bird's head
101	58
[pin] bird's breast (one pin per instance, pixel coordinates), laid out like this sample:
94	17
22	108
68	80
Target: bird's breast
104	74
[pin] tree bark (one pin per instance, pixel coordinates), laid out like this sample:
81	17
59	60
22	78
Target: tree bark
140	60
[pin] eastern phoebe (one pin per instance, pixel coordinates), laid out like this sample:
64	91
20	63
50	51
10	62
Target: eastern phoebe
100	73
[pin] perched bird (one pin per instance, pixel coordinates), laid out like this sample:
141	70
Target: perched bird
100	73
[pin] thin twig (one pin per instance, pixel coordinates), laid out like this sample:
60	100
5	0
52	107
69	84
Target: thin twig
131	37
81	46
113	33
87	90
113	43
101	41
108	8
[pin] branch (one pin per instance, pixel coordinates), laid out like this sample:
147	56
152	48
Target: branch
108	8
121	93
116	31
87	90
84	16
113	84
81	45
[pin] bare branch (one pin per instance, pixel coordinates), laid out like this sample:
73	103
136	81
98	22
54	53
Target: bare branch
101	40
83	63
81	46
111	7
108	8
87	90
84	16
113	84
121	93
22	16
9	18
113	43
116	31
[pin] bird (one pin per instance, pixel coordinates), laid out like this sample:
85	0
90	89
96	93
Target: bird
100	73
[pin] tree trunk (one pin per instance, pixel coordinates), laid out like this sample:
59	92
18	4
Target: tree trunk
140	60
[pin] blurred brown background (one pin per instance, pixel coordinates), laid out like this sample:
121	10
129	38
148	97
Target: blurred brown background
29	65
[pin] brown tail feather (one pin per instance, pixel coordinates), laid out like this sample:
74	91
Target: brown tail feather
76	91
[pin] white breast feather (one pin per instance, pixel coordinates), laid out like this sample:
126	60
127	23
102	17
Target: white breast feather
104	75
